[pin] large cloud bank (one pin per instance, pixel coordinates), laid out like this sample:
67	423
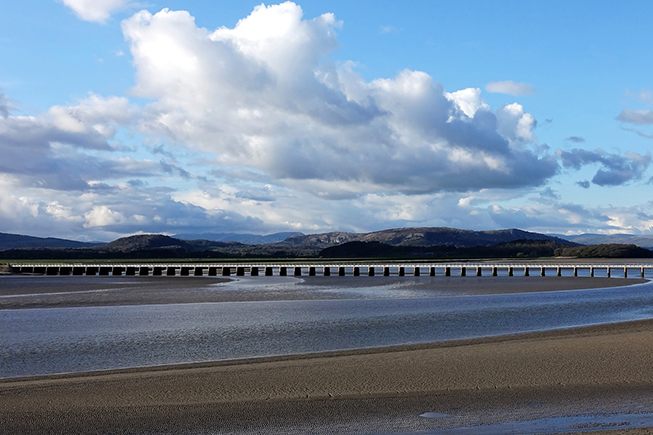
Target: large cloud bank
265	95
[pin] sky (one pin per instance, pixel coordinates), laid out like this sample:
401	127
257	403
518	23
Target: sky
121	117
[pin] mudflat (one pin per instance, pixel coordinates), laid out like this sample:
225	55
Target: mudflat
598	369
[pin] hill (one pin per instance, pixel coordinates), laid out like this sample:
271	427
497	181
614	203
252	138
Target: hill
619	239
12	241
246	239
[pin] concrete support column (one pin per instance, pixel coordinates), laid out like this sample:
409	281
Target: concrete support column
297	271
268	271
185	271
592	272
311	271
575	271
386	271
625	272
213	271
416	271
199	271
131	271
240	271
117	271
543	271
357	271
447	271
283	271
511	272
479	271
559	271
463	271
527	272
157	271
326	271
226	271
432	271
609	273
495	271
78	271
341	271
253	271
402	271
642	273
171	271
104	271
370	271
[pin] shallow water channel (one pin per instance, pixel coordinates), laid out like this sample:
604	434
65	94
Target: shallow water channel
59	340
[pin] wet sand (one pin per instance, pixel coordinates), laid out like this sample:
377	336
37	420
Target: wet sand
71	291
600	369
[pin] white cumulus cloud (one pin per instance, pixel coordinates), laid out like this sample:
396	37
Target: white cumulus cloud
96	10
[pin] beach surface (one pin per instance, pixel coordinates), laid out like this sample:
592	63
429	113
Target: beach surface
604	370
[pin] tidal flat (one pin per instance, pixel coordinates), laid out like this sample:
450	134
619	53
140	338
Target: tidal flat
597	365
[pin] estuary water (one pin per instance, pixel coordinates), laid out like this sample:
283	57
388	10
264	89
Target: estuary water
60	340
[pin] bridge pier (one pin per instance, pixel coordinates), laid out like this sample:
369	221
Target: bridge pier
298	271
283	271
543	271
526	272
357	271
479	271
416	271
592	272
432	271
130	271
463	271
511	272
609	273
253	271
559	272
341	271
104	271
326	271
269	271
402	271
78	271
575	271
199	271
642	272
370	271
171	271
185	271
311	271
495	271
625	272
386	271
447	271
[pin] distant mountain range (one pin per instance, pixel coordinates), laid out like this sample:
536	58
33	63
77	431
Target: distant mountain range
247	239
599	239
408	242
11	241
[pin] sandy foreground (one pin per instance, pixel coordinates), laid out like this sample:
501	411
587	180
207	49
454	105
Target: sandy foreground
603	369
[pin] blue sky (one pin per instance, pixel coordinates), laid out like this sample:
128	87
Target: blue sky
120	117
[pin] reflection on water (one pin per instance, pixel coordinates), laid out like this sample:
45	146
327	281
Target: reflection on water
56	340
